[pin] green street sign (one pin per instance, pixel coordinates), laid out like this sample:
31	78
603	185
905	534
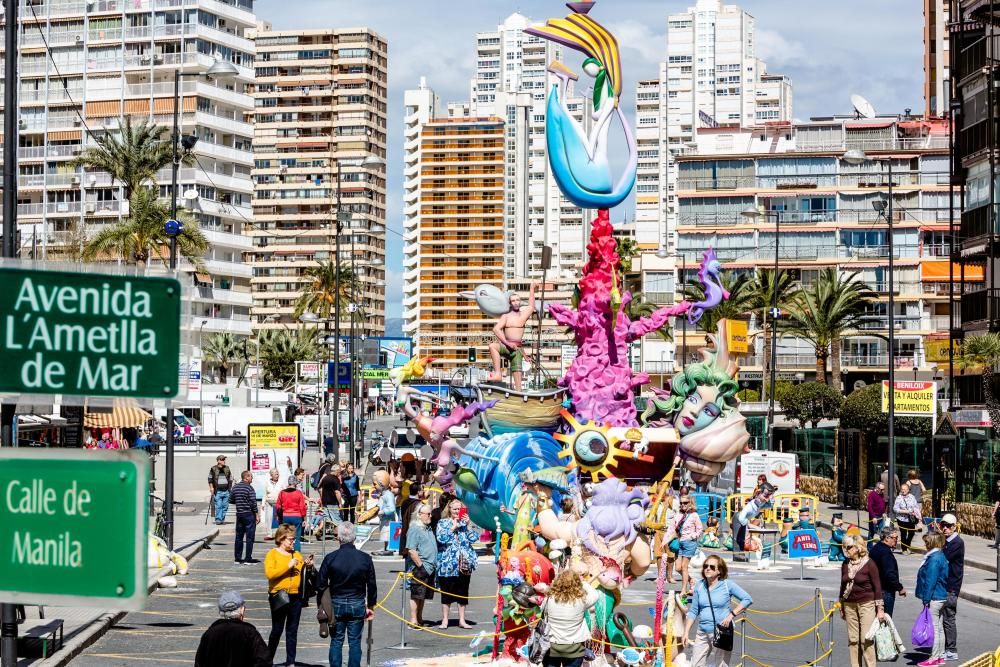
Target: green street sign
89	334
73	528
375	373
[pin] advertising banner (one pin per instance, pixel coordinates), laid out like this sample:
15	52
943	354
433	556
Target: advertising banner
803	544
272	446
912	399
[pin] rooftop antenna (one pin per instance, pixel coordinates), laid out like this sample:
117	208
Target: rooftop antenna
862	107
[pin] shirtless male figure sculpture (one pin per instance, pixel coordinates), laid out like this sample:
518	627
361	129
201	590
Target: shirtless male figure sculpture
509	331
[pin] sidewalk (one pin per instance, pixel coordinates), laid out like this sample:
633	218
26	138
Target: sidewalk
83	626
980	583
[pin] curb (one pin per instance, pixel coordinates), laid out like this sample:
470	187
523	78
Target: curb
990	599
91	633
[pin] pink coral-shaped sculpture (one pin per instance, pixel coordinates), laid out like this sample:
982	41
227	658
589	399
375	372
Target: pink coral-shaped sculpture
600	379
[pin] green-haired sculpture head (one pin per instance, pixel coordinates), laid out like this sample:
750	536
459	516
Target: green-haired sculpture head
699	394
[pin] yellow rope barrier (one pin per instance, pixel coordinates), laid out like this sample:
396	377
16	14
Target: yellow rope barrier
442	634
464	597
788	638
786	611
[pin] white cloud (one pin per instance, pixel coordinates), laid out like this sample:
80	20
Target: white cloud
638	37
778	51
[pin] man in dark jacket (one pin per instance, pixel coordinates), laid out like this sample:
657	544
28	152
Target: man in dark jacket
347	592
954	551
888	571
247	518
231	641
219	480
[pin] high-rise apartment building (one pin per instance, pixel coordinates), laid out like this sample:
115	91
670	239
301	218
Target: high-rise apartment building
320	113
823	206
86	64
454	229
936	65
711	78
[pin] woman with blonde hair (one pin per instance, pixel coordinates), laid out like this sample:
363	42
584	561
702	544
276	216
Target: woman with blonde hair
564	610
283	568
860	600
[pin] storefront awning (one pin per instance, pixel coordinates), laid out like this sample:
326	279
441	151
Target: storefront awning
125	413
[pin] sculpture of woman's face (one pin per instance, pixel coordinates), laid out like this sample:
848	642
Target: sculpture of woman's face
698	411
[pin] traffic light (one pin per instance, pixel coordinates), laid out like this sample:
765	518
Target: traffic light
472	355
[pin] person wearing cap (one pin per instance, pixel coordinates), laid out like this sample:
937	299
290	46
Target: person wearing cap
954	551
291	509
219	480
231	641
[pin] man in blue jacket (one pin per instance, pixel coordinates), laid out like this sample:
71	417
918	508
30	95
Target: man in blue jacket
954	551
888	570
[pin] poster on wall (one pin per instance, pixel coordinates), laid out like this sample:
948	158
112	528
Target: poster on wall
272	446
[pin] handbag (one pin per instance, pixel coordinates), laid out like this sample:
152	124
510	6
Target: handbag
464	566
922	634
723	636
279	600
675	544
538	643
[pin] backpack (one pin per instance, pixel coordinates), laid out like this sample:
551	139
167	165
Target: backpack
315	478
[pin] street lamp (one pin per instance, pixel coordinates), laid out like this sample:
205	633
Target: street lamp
856	156
311	317
663	254
220	69
754	213
201	384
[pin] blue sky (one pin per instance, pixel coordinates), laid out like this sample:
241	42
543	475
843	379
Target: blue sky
829	49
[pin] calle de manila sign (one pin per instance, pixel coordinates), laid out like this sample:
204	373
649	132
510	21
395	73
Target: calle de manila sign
73	528
89	334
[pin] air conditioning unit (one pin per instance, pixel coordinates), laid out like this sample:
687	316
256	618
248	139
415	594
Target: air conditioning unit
145	60
79	39
158	59
77	122
62	207
75	180
91	208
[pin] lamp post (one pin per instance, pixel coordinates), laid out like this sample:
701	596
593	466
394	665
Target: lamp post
663	254
221	69
856	156
308	317
201	384
754	213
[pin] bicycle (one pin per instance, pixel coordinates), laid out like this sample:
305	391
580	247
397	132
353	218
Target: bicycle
159	518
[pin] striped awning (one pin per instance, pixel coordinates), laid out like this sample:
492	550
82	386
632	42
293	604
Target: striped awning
124	413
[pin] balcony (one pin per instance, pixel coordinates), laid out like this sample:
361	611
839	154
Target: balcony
982	307
979	222
864	360
977	137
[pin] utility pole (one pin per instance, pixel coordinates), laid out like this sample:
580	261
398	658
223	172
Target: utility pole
8	616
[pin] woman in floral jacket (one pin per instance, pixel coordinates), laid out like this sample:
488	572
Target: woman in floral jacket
456	561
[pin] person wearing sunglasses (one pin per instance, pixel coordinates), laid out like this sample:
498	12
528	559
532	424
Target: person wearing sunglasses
711	607
686	528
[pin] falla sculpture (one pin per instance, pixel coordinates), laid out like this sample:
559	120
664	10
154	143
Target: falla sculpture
583	437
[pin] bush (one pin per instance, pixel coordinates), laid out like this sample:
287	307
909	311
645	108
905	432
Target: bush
748	395
863	410
810	402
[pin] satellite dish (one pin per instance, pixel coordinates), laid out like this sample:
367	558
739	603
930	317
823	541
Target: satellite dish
859	384
191	194
862	107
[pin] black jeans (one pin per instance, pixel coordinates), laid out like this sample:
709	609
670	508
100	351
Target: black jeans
286	618
246	530
349	513
906	529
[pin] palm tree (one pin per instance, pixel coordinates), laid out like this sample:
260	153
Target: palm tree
826	310
141	236
223	349
627	249
133	155
984	351
638	308
320	295
280	349
738	306
762	288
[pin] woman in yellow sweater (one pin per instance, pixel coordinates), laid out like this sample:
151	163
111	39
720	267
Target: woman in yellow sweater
283	569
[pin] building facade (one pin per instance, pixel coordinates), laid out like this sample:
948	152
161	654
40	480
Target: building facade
795	173
85	65
320	113
937	68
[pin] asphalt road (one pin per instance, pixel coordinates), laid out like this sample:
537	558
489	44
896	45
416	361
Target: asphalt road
167	632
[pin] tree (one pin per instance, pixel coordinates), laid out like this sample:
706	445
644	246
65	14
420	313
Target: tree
320	295
826	310
762	289
627	249
984	351
280	349
737	307
809	402
133	155
223	349
862	410
141	236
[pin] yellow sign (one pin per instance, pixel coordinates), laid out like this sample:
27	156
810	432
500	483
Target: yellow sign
273	436
937	350
915	399
737	337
